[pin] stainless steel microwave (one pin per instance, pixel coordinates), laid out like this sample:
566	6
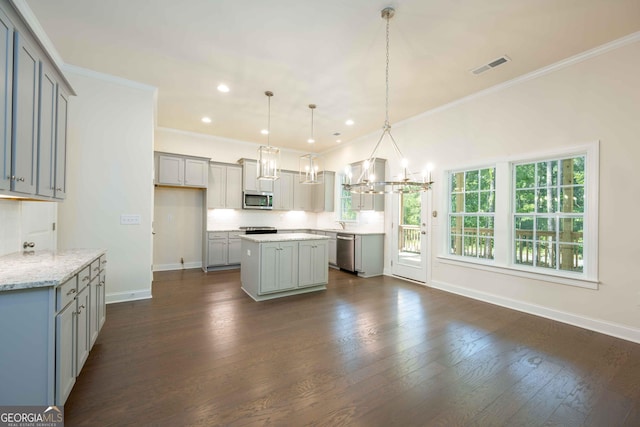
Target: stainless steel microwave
257	200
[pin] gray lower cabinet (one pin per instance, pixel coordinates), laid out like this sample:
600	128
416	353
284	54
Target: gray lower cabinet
223	248
369	254
66	343
278	267
51	334
313	263
333	248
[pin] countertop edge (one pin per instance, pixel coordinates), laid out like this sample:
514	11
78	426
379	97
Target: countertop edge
80	259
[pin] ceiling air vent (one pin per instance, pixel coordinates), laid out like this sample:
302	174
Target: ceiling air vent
493	64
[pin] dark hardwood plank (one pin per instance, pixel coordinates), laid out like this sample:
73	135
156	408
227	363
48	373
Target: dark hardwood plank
370	352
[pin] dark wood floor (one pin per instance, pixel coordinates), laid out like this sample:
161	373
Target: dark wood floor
366	352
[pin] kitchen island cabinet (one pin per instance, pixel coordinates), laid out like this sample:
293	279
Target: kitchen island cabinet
278	265
47	309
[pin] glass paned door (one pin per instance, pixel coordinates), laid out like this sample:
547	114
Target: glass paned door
410	236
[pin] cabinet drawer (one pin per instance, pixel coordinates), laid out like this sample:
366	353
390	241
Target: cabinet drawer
235	234
84	277
66	292
95	269
218	235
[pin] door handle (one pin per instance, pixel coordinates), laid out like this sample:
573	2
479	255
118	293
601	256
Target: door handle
26	245
423	232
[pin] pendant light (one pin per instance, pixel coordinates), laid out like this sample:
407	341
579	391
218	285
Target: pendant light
268	163
366	183
310	164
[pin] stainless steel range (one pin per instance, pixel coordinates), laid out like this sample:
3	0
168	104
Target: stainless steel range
259	230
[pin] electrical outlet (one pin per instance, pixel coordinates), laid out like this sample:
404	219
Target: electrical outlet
130	219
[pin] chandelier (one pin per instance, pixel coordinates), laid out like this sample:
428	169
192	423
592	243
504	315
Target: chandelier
366	183
268	163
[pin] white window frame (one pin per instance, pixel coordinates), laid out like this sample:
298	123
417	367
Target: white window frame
504	242
450	175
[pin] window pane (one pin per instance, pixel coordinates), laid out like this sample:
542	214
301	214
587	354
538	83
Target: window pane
456	224
546	224
486	222
487	179
525	201
456	200
471	181
547	201
572	199
571	258
525	175
524	223
470	246
470	222
456	244
487	201
471	202
410	208
524	252
571	230
545	255
457	182
578	170
485	247
547	173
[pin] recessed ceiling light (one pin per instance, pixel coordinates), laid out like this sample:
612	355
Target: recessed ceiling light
223	88
311	140
264	132
338	141
349	122
206	120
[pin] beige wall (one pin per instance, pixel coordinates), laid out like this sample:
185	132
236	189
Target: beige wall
177	224
597	98
109	173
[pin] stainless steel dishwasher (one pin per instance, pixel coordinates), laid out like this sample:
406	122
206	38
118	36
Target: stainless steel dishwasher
346	251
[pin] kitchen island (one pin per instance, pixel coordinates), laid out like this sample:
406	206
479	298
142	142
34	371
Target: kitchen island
283	264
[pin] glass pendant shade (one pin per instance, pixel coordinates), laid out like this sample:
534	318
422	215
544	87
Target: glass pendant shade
311	169
268	163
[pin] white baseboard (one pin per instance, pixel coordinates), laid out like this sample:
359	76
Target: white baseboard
602	326
177	266
128	296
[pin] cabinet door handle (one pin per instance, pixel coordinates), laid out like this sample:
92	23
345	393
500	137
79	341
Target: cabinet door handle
85	278
71	291
58	189
105	261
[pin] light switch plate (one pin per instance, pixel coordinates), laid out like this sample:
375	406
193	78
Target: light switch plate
130	219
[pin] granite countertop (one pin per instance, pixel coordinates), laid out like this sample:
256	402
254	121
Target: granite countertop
359	233
282	237
224	231
36	269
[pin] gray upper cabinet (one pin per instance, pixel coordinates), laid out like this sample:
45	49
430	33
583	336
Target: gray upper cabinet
323	194
302	196
250	181
368	202
47	133
283	192
25	116
181	171
225	186
33	118
61	144
6	80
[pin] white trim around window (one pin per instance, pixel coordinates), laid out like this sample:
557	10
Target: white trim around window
503	261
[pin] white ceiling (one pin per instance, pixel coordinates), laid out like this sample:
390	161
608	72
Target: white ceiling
330	53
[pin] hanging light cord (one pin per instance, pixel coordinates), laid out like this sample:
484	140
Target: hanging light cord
386	105
312	107
269	119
